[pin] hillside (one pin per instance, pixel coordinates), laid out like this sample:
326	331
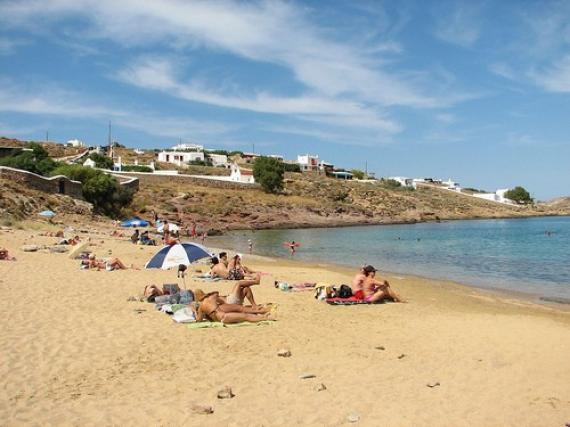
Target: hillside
313	201
18	202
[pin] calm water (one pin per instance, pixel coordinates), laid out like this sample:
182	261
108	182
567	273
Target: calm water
506	254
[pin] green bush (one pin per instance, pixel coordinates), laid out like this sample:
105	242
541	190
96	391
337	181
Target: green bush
101	161
519	195
357	174
136	168
390	183
99	188
35	161
268	172
292	167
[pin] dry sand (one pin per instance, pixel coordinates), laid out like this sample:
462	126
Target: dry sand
74	351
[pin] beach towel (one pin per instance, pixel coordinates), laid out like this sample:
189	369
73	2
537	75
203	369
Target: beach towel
184	315
347	301
208	324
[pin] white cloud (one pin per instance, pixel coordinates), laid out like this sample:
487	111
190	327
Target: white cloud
554	78
271	31
54	101
458	23
502	69
9	46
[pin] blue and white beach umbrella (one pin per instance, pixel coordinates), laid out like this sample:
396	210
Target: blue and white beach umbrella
135	222
47	214
181	253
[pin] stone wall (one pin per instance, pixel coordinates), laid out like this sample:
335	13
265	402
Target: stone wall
127	181
56	184
204	182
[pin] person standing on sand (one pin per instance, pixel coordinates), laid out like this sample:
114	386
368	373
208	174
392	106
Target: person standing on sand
166	231
194	234
204	235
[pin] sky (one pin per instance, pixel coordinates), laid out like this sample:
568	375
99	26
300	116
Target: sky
478	92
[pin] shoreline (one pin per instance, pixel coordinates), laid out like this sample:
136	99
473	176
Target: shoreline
347	224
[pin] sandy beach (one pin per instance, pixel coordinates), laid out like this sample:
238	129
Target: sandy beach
75	351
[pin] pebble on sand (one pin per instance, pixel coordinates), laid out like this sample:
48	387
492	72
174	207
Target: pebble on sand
225	393
321	387
284	353
353	418
306	376
202	409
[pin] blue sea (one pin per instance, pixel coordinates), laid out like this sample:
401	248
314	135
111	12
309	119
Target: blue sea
525	255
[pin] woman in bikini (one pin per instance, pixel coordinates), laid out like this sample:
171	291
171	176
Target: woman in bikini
213	307
371	290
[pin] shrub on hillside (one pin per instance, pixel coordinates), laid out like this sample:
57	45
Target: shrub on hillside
268	172
35	161
292	167
101	161
357	174
519	195
136	168
99	188
390	183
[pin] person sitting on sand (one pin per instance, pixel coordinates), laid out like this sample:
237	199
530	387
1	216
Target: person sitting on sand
135	236
146	240
237	270
5	256
373	290
211	306
223	257
218	269
73	241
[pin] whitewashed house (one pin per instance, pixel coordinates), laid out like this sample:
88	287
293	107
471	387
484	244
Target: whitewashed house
240	174
180	158
76	143
218	160
451	185
188	147
498	196
308	162
89	163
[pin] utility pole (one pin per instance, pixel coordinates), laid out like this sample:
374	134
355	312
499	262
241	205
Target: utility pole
366	169
110	151
47	136
253	148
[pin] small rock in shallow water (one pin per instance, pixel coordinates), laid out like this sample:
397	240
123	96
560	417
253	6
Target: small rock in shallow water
284	353
225	393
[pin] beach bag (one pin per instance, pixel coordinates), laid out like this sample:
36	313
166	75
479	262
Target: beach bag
344	292
186	296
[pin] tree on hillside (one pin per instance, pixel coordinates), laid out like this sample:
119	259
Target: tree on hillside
519	195
99	188
357	174
268	172
35	161
101	161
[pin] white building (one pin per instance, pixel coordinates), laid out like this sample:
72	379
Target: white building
180	158
75	143
220	160
239	174
498	196
89	163
451	185
404	182
308	162
188	147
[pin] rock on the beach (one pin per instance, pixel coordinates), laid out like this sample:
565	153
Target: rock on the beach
59	249
353	418
320	387
225	393
202	409
284	353
306	376
30	248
